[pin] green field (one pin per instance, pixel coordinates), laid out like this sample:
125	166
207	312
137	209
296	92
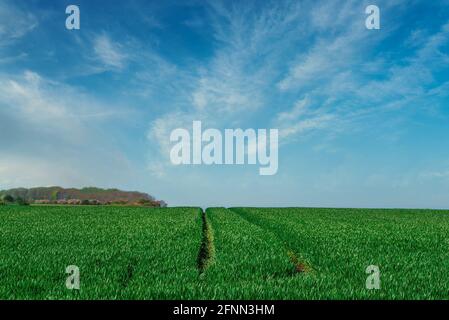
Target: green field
121	252
240	253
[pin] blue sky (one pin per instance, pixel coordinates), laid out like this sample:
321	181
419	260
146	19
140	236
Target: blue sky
363	115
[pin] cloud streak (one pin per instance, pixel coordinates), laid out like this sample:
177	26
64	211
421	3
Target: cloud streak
109	53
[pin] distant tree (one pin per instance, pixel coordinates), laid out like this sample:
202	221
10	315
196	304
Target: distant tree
85	202
21	202
55	195
7	198
163	204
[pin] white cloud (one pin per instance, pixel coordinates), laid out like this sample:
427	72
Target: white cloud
300	108
301	118
162	127
413	78
30	98
301	126
27	171
14	23
302	67
330	54
336	72
251	55
239	76
110	53
436	174
235	82
42	103
52	134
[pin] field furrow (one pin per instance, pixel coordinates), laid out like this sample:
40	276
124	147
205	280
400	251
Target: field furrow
249	262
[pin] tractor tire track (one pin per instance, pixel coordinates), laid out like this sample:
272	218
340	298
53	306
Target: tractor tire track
300	264
207	250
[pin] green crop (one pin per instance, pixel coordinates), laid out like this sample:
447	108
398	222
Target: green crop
239	253
410	247
122	253
248	262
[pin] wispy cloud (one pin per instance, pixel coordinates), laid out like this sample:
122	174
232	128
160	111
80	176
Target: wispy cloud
300	108
436	174
309	66
52	134
38	99
337	72
251	72
110	53
235	82
14	22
